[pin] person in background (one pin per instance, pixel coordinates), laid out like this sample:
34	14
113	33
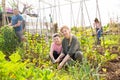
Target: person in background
16	23
56	47
98	27
70	48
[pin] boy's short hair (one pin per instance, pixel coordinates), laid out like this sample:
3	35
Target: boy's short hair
15	8
55	35
64	27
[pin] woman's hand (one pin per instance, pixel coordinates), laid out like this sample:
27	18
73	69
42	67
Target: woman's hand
57	60
60	66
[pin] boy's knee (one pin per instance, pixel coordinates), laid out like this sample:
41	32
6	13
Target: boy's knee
79	56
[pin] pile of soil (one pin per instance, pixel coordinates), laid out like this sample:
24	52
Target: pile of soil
111	69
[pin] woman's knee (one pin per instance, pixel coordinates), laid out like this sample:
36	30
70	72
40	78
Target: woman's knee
79	55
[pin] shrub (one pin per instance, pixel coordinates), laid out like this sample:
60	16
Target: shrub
9	41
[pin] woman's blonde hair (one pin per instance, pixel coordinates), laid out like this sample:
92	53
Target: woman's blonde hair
64	27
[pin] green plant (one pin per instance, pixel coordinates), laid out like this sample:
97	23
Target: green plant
84	71
9	41
15	69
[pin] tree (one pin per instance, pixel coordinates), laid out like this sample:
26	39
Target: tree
15	3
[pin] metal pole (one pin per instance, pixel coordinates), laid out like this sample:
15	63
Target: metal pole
3	14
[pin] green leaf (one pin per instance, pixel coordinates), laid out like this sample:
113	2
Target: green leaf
15	57
2	56
113	56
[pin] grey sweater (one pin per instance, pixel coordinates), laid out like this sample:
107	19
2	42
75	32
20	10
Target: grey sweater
72	47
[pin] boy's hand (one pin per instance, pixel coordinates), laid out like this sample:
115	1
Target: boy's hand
53	61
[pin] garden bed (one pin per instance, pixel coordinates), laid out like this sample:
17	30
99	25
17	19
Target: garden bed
111	69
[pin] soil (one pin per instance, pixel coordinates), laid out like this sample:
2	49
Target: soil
111	69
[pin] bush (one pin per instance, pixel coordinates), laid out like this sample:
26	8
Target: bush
9	41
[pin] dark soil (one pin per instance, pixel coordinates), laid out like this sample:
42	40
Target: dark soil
112	69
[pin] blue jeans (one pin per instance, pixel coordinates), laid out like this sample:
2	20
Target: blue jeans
99	32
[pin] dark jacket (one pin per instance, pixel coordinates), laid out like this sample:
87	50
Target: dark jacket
70	48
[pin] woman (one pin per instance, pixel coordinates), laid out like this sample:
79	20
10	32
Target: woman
98	27
56	47
70	48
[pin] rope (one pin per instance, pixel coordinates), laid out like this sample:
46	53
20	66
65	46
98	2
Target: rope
88	17
77	21
82	13
51	18
40	17
97	10
60	16
72	15
55	10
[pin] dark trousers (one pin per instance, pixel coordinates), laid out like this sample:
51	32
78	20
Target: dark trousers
77	56
55	54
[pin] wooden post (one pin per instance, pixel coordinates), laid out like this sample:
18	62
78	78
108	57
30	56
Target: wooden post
3	14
